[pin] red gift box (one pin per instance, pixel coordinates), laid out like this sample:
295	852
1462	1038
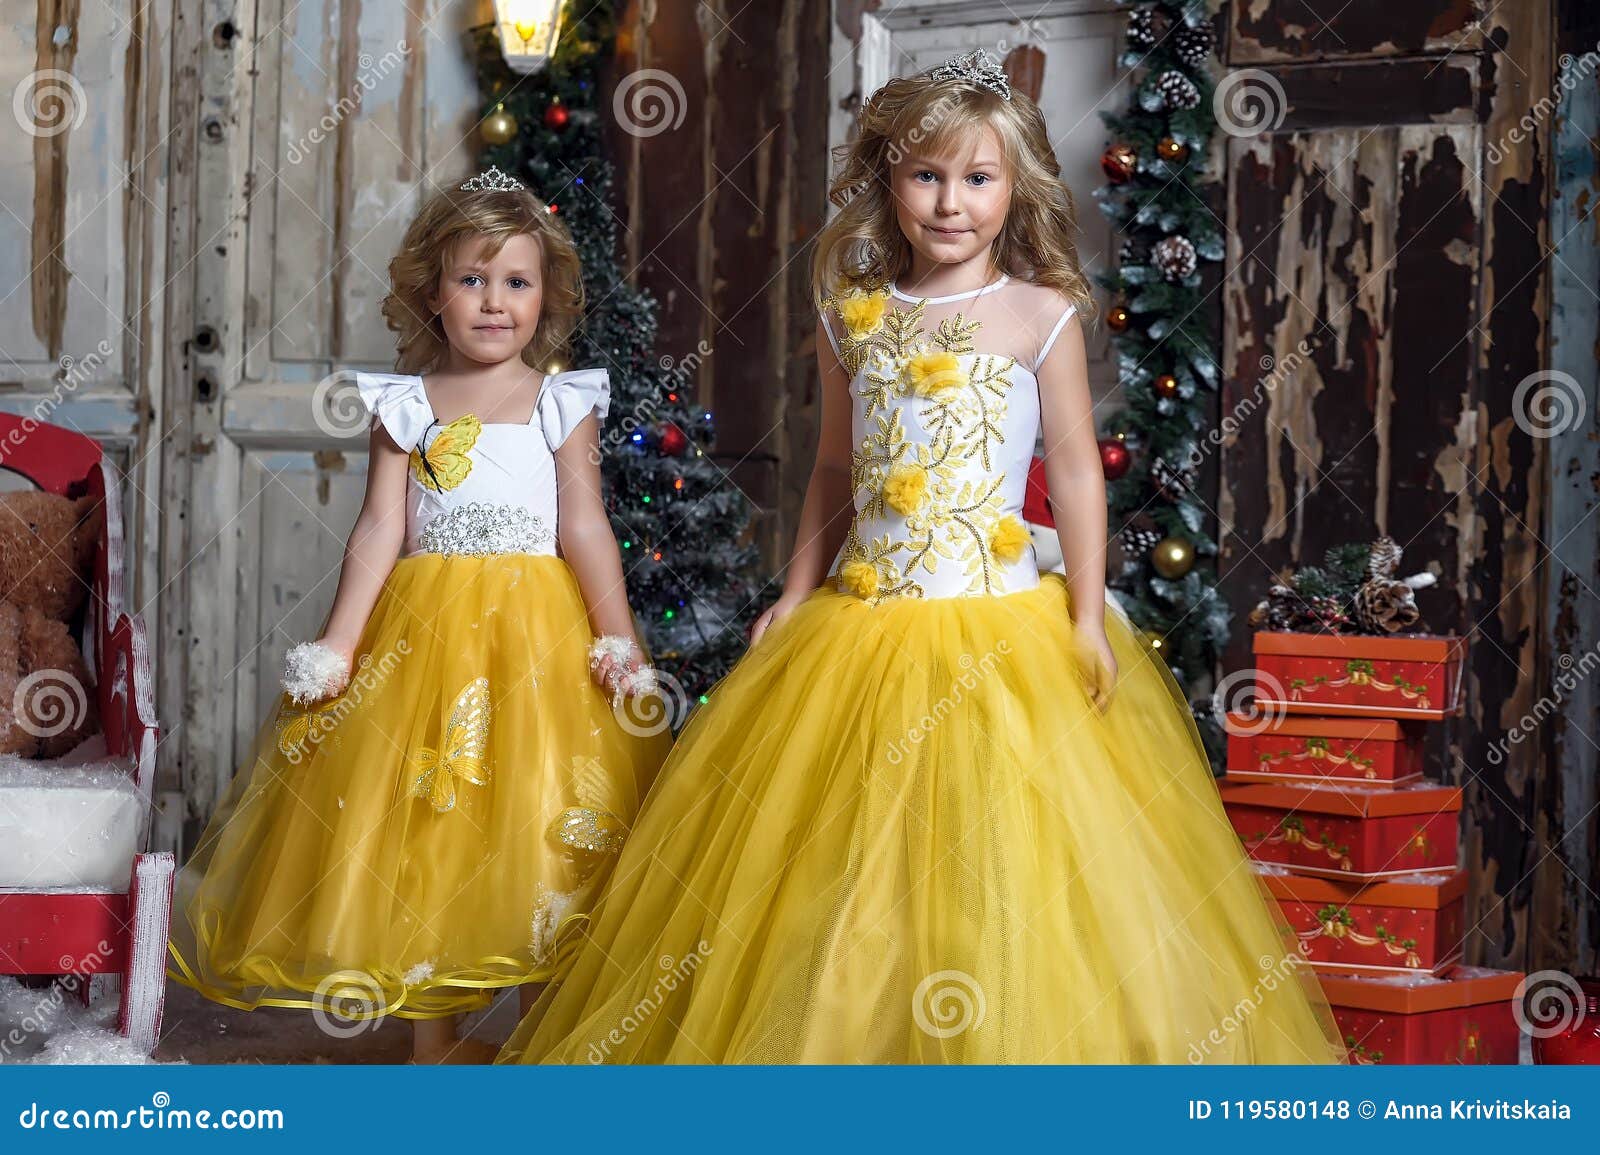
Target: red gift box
1414	676
1298	748
1347	831
1411	924
1464	1016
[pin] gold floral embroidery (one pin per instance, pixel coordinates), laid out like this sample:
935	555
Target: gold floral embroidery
462	752
1009	539
445	464
862	313
949	515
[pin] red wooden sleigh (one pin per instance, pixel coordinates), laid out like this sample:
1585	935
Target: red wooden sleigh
83	933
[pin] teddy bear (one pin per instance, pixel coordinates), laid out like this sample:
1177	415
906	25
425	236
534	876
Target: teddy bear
47	550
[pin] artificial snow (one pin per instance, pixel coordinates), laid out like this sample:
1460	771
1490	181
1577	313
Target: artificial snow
72	823
48	1026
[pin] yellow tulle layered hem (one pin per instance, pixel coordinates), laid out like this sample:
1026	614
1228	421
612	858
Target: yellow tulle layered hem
901	833
438	831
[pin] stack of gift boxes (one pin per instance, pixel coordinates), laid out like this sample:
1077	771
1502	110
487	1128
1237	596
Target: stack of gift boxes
1327	787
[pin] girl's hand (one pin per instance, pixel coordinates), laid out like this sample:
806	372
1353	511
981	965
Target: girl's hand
775	613
1096	663
617	665
319	670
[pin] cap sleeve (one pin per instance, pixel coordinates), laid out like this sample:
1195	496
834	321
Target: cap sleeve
567	398
399	402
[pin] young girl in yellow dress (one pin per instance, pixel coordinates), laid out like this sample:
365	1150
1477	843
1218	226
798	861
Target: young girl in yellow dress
434	825
915	824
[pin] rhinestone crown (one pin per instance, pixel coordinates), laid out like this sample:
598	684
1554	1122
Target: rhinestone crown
975	67
492	180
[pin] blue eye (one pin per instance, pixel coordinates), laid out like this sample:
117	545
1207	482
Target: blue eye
924	173
981	179
517	283
470	279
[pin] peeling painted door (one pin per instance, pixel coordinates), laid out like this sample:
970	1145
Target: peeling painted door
314	129
83	203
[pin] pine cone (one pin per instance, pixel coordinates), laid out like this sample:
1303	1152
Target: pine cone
1177	90
1384	606
1142	30
1176	257
1193	44
1276	611
1384	559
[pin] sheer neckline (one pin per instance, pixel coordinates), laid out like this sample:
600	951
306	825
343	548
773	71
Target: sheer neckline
894	288
428	401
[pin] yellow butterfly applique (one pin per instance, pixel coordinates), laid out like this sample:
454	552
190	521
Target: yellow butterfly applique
460	757
445	465
295	725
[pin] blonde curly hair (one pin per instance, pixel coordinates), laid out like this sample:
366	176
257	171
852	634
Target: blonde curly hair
862	247
446	220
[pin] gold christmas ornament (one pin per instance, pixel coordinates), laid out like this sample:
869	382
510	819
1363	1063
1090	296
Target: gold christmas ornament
1117	318
1173	557
1172	151
499	127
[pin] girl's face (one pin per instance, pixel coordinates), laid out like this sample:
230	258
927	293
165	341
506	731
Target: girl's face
489	306
951	208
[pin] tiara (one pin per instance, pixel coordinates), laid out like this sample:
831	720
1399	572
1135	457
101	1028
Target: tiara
975	67
492	180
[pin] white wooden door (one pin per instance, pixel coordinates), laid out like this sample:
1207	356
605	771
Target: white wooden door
83	212
1080	40
319	125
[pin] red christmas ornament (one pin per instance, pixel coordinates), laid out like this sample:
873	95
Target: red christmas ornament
1167	385
1114	458
556	116
1118	163
673	440
1117	318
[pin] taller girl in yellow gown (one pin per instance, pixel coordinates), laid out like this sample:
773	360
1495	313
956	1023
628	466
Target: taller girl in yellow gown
945	810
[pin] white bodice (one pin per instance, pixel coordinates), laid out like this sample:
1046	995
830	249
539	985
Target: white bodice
945	416
477	488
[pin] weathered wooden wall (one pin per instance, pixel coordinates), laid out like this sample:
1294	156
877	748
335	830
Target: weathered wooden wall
1566	894
1387	293
720	210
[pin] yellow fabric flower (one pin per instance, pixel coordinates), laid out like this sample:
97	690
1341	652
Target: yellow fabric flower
860	578
863	315
1009	539
934	374
906	488
446	464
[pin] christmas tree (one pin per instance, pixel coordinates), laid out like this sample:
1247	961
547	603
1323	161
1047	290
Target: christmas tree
692	572
1166	356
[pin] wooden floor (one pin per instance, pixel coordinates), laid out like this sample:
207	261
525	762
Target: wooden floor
197	1031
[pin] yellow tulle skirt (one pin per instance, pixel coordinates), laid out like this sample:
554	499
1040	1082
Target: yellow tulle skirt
903	834
439	829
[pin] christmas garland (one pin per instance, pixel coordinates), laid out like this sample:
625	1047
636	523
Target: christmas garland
1166	352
